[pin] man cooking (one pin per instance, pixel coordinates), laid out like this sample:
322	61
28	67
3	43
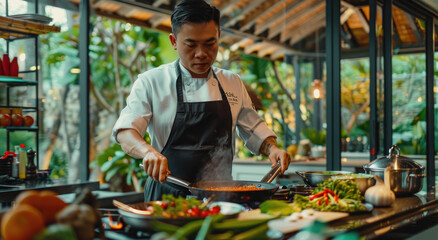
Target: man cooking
191	110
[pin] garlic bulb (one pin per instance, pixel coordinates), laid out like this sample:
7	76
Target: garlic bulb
379	195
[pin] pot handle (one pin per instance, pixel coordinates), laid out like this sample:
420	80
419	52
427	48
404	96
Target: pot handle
178	181
271	175
175	180
392	149
301	174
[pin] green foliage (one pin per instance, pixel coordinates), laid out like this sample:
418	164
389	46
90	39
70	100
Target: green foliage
314	136
58	164
114	160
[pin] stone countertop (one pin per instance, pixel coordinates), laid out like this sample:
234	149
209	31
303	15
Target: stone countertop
8	192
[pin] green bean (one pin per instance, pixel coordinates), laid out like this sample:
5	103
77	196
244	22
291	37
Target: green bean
188	229
239	225
220	236
255	233
164	227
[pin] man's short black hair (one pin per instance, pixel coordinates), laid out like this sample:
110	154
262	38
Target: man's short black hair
195	11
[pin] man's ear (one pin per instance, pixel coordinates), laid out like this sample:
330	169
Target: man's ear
173	40
219	33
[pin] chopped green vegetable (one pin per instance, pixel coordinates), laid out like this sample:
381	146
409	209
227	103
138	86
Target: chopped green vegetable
278	207
333	195
344	188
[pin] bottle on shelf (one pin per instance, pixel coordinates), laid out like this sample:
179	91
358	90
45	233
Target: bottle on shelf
22	165
16	162
31	167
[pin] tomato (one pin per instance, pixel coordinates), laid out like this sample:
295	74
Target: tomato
194	212
215	209
205	213
163	204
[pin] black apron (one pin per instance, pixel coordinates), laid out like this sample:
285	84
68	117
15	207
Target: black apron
199	145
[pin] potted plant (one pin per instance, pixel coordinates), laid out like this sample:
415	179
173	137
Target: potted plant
317	139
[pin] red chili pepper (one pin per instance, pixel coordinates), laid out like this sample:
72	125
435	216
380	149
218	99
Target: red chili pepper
330	191
326	198
316	195
336	198
319	202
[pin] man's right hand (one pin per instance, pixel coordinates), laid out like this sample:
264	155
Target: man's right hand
155	165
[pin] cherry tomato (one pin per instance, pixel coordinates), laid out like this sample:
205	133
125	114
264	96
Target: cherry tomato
215	209
205	213
163	204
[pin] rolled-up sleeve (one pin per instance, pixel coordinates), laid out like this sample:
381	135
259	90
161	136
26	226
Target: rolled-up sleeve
251	128
137	113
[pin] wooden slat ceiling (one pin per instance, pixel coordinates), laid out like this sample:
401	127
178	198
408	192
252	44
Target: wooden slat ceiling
267	28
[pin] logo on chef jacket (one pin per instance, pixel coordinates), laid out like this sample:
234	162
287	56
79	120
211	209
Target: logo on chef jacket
232	99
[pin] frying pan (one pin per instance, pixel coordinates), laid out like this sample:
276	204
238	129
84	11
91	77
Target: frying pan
145	222
265	189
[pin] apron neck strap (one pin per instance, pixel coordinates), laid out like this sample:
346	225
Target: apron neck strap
179	91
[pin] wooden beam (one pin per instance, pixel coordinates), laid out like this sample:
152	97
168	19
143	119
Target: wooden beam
414	28
158	3
242	12
227	6
249	20
313	15
253	47
359	14
296	18
276	17
267	50
157	20
239	44
307	29
279	53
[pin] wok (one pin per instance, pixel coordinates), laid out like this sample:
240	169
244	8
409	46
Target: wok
265	189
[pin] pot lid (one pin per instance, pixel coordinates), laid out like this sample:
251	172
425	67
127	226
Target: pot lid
393	160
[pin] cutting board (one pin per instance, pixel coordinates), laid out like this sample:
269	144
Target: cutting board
287	227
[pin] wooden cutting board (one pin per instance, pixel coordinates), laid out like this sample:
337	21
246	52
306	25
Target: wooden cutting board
287	227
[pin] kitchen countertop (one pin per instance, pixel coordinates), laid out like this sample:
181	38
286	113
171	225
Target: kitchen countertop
8	192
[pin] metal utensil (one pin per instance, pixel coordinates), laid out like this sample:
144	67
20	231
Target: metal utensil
209	200
268	178
128	208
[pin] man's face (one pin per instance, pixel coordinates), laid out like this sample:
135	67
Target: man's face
197	46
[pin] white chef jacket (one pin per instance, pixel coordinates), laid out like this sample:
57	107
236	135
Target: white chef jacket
152	103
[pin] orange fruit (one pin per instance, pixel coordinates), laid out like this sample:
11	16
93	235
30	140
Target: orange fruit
22	222
47	202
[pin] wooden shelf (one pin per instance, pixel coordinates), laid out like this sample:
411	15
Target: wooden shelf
14	28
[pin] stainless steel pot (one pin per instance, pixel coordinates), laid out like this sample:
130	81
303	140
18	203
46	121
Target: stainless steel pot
403	175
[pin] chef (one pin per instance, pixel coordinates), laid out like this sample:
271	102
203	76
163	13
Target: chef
191	110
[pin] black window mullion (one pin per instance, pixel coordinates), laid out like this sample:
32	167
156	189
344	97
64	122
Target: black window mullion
333	46
387	73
